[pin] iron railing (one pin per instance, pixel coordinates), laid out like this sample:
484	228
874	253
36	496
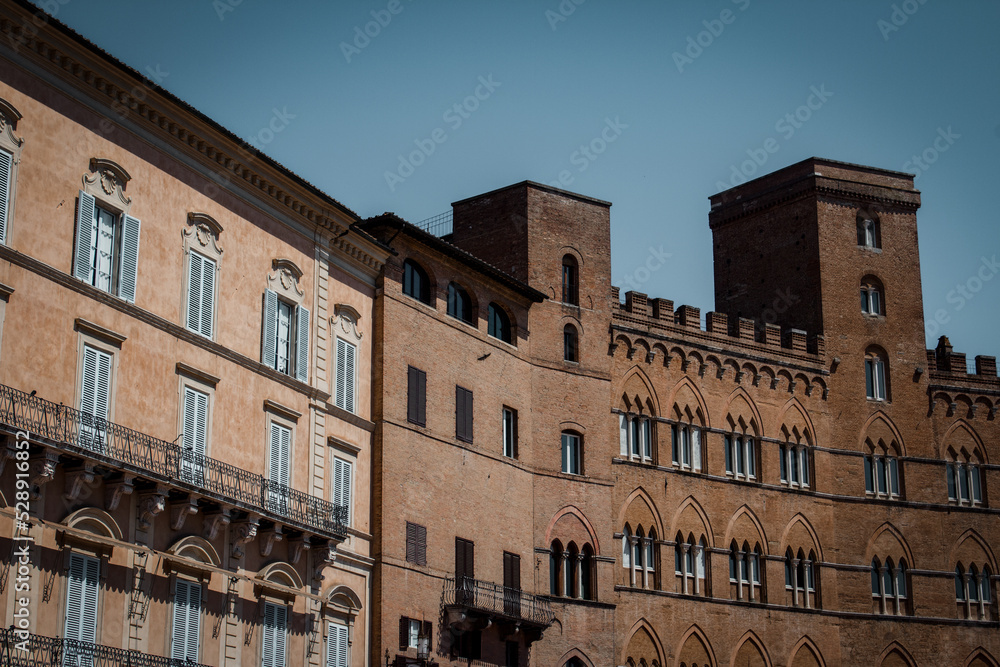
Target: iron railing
498	600
84	435
438	225
38	651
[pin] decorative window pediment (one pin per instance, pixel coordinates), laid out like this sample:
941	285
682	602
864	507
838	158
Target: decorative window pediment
9	116
203	234
107	182
284	279
345	320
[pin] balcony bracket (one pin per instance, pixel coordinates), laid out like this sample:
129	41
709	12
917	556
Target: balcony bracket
326	554
246	530
125	487
297	547
215	521
268	539
151	505
42	469
79	483
8	452
179	511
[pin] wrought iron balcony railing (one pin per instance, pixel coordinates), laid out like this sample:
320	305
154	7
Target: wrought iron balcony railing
38	651
84	435
497	600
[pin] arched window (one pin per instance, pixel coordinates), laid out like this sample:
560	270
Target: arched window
686	446
588	573
415	282
800	578
876	375
571	568
639	557
741	456
570	280
973	593
636	436
869	235
888	586
882	470
965	484
459	303
556	569
572	453
689	565
571	344
499	323
794	462
745	572
872	296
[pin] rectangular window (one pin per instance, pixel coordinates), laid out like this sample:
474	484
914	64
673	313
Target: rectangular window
346	375
6	167
107	248
513	655
279	452
751	458
675	445
463	414
342	486
977	490
729	454
285	338
571	458
187	621
95	398
623	436
274	635
195	435
509	417
634	436
949	472
869	474
336	647
465	571
416	396
647	439
410	630
201	294
416	544
81	606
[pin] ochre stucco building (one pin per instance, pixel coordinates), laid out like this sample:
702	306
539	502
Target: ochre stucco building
258	430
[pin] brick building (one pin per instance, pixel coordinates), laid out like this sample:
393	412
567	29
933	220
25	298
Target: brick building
184	380
797	481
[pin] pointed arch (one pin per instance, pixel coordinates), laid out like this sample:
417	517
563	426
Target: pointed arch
197	549
282	574
974	537
871	429
735	397
642	625
806	644
800	519
980	658
696	507
574	511
895	655
637	372
952	433
686	382
751	638
640	495
695	633
870	551
94	520
745	510
574	653
795	405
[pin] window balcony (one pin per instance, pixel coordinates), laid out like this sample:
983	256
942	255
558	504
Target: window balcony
27	650
75	434
472	604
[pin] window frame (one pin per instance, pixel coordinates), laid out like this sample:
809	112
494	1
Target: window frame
571	448
459	302
178	583
195	309
500	325
416	543
570	280
282	645
299	335
686	450
343	470
876	377
464	411
508	426
10	146
422	290
416	396
346	376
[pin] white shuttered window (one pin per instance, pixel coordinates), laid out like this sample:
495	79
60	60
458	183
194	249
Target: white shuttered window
346	374
285	338
81	606
279	453
336	646
201	294
273	639
195	435
6	166
187	621
107	248
342	485
95	397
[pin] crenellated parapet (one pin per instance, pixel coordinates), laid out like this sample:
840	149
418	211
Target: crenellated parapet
654	331
957	390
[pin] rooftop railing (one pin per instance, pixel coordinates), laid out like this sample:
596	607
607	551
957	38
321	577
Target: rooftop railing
497	600
85	435
38	651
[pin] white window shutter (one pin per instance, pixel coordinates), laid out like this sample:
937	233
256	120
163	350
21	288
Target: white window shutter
342	484
95	396
273	649
128	267
195	268
623	436
207	297
195	434
6	163
302	344
81	598
82	264
696	448
346	375
336	647
269	336
187	621
280	441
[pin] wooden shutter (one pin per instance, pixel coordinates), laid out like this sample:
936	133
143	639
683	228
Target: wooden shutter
302	348
269	333
342	485
82	261
416	396
95	397
201	294
511	571
336	646
463	414
195	433
128	267
465	562
416	543
428	629
187	621
81	598
273	640
280	446
404	633
346	375
6	162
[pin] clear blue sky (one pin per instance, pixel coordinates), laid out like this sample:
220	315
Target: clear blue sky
897	76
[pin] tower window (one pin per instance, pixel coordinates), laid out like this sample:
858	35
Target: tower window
571	343
570	280
868	232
